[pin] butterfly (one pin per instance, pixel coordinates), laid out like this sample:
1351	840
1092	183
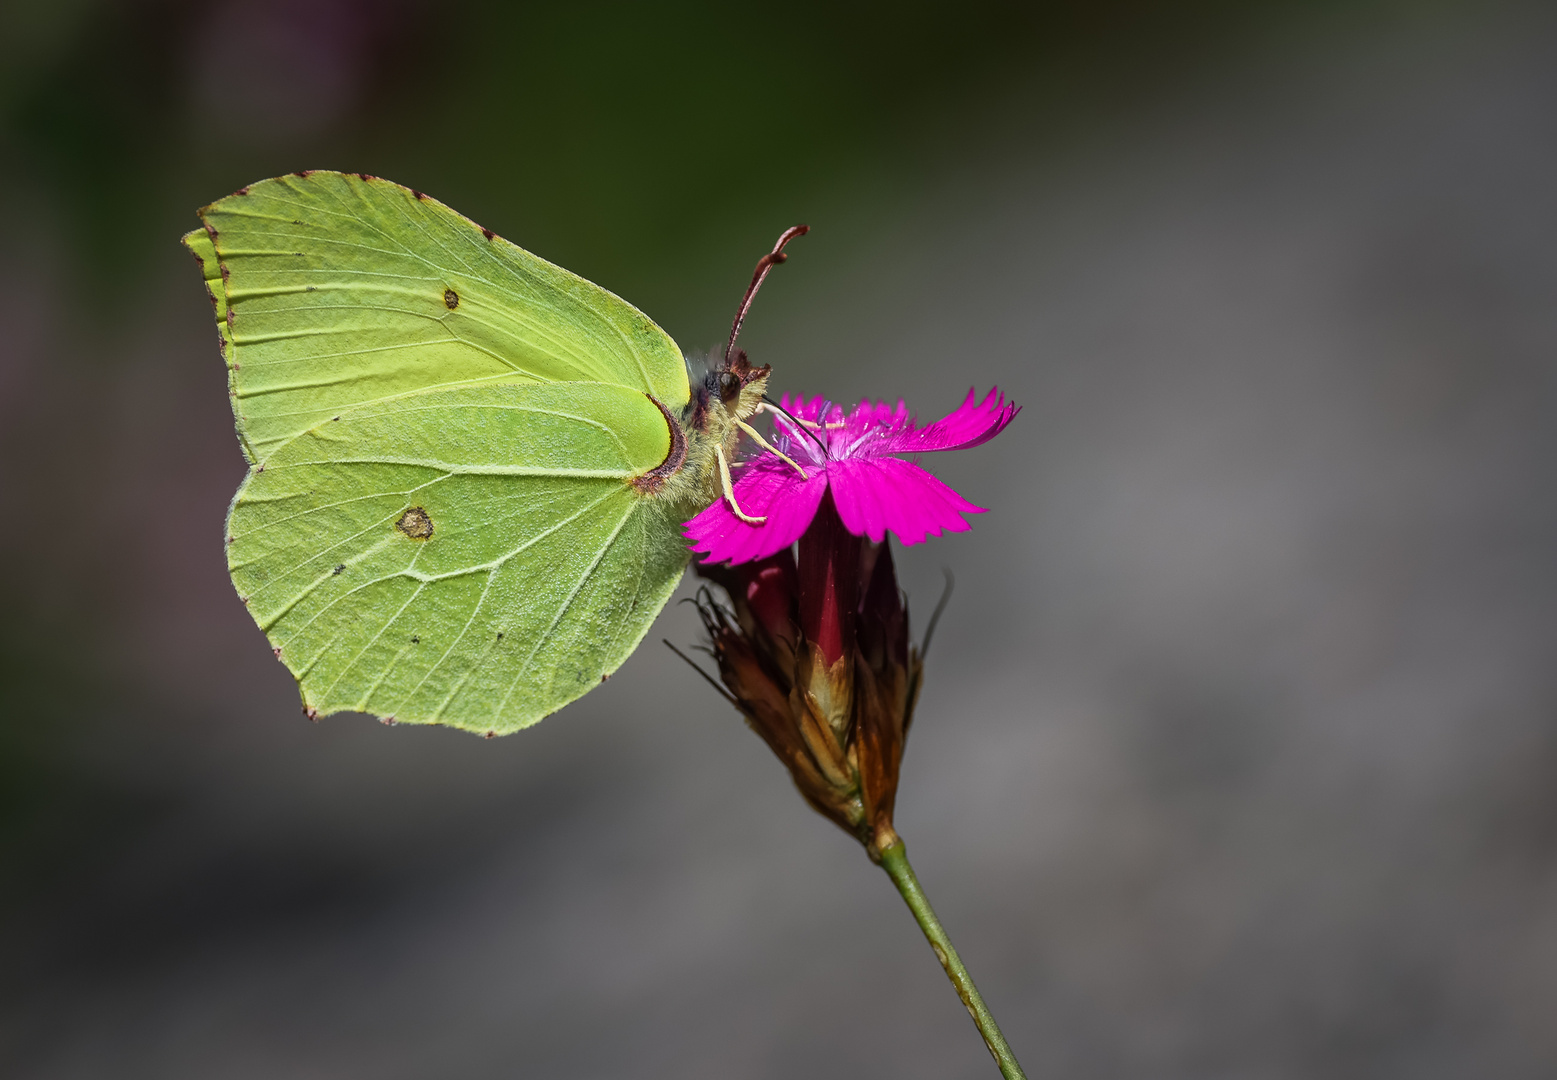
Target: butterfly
469	469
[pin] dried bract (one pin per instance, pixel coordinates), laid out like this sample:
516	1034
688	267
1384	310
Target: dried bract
816	655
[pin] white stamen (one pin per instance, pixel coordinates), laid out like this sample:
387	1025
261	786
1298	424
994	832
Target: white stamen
760	441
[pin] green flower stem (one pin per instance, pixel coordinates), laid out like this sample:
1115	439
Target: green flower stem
894	860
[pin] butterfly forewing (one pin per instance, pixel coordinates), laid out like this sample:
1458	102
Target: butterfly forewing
474	556
335	290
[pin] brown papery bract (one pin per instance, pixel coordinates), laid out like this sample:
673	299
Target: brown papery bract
815	653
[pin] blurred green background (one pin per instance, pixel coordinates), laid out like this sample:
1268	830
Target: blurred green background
1238	754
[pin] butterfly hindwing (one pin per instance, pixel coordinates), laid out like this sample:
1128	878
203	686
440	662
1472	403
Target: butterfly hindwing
473	556
335	290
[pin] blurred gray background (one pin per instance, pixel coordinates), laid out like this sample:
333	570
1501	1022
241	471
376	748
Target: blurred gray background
1237	755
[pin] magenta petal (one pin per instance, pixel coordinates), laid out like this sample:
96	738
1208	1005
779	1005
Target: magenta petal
875	495
848	452
879	415
968	425
767	488
810	410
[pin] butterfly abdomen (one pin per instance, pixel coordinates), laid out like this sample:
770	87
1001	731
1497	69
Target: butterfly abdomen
655	479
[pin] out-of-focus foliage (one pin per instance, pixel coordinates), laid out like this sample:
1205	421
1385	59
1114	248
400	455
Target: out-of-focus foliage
601	133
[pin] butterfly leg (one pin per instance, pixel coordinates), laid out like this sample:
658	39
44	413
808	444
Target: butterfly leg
729	490
770	448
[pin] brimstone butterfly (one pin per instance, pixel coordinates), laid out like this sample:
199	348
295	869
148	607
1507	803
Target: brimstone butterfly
469	468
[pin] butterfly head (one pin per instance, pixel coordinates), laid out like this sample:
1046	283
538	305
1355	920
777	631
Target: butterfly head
738	385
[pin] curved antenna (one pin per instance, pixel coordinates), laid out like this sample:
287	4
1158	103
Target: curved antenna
764	264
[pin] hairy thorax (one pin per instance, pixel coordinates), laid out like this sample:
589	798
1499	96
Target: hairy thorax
710	423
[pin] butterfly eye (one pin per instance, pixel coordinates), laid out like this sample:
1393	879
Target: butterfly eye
729	387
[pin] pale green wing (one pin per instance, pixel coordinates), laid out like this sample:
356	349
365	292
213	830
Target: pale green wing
472	556
335	290
199	242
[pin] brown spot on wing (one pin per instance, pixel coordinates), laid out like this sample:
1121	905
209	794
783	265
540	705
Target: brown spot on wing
451	299
488	233
415	523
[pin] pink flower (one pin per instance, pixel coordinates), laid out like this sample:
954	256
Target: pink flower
851	457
